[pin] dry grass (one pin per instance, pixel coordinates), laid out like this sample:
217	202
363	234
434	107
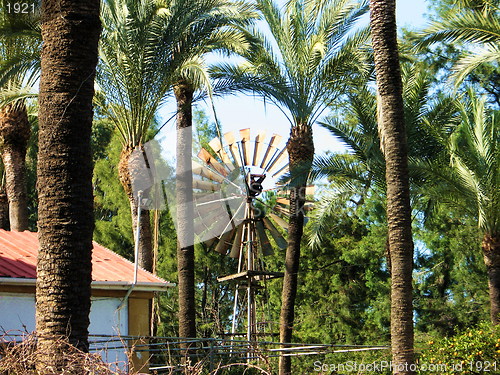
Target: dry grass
19	357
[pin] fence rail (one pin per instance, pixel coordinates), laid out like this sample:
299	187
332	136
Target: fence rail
167	353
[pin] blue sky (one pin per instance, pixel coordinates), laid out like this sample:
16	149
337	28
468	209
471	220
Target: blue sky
239	112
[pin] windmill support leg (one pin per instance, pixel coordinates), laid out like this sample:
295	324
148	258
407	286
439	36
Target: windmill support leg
249	310
235	311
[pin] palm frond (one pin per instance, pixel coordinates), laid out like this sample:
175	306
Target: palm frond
466	65
147	45
471	27
302	57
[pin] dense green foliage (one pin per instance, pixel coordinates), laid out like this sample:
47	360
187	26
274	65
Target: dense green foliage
473	350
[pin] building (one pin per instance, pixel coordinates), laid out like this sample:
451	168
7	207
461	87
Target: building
119	308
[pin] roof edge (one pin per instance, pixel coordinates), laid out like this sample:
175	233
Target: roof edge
125	285
113	285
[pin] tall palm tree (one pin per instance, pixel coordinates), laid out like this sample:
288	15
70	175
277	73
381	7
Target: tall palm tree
20	43
365	163
472	181
215	27
479	26
301	69
70	31
394	145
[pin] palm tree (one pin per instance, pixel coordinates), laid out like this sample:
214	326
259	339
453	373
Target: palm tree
479	26
360	172
472	181
20	42
394	146
301	76
215	27
70	32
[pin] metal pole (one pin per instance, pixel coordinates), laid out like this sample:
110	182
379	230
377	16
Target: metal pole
249	268
136	251
240	268
137	236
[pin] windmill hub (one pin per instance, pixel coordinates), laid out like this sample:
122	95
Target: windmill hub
255	185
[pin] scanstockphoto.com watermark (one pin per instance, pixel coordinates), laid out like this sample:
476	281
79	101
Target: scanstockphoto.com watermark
382	366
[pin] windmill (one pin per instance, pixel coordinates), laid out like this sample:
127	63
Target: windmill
229	178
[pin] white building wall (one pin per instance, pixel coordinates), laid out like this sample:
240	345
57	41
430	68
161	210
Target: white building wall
17	316
107	320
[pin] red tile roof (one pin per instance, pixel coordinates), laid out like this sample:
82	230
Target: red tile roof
19	250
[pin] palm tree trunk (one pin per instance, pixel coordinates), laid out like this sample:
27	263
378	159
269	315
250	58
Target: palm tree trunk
185	211
394	144
14	134
300	149
4	209
491	252
128	161
70	32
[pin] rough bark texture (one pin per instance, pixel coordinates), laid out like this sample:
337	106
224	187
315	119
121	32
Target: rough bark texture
185	212
70	32
393	138
491	253
4	209
128	173
14	135
300	149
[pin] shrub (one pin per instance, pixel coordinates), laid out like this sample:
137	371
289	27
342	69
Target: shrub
473	351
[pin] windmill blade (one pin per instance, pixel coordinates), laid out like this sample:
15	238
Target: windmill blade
310	190
236	247
283	201
267	249
259	144
202	171
212	162
228	216
209	208
219	205
224	243
209	218
216	145
205	185
283	206
282	210
277	160
273	145
211	199
245	145
281	171
208	243
278	238
202	198
215	228
233	147
278	220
